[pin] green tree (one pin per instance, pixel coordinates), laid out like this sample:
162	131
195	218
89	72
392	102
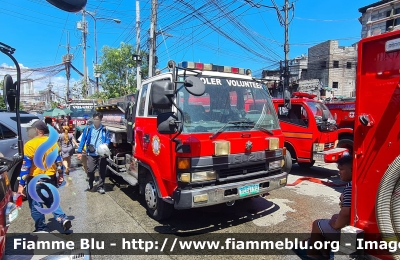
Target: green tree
118	71
53	104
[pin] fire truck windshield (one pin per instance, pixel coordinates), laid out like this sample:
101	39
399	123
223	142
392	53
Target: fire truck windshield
317	108
227	100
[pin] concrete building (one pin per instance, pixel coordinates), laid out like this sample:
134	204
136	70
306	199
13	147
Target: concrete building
379	17
335	67
298	68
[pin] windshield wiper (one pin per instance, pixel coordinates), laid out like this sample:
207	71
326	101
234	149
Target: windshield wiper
264	129
251	123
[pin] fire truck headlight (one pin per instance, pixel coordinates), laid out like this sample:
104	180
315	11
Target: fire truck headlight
183	163
275	165
318	147
222	148
200	198
203	176
273	143
185	177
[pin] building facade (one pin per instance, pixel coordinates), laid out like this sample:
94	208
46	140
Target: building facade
298	68
379	17
335	67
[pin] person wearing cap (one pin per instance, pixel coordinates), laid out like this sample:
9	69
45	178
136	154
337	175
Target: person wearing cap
29	170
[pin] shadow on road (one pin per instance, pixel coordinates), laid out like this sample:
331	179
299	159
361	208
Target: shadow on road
207	219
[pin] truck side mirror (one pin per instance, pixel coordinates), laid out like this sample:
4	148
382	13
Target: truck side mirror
9	92
194	86
69	5
161	94
325	115
167	123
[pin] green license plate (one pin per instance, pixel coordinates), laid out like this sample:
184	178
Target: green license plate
249	190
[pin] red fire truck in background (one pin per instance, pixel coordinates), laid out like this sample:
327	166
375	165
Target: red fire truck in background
343	110
310	131
186	155
376	168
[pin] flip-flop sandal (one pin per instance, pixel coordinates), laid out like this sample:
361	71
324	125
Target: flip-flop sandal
302	253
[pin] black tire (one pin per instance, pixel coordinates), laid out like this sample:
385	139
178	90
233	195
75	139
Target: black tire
156	207
306	165
346	143
15	171
287	167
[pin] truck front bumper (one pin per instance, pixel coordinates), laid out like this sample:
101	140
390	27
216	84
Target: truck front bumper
212	195
330	156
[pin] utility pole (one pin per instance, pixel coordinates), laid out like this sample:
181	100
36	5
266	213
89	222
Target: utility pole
138	59
286	47
67	61
83	27
153	27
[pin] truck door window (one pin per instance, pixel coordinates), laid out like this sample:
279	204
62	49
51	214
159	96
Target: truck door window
7	133
142	100
155	112
297	115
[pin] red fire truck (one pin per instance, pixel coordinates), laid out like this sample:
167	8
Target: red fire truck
186	155
343	110
310	131
376	168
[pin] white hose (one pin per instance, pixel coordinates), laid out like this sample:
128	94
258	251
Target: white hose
388	204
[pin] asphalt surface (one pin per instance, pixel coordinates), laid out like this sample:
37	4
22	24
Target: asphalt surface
291	209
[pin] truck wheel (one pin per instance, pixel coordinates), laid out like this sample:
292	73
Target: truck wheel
156	207
346	143
287	167
306	165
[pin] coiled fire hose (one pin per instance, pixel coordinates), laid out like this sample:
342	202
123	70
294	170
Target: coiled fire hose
388	204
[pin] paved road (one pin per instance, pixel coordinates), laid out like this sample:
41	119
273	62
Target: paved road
121	210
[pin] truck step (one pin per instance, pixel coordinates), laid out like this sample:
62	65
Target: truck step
128	178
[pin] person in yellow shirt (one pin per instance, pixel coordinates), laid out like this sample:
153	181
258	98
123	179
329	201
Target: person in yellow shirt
33	167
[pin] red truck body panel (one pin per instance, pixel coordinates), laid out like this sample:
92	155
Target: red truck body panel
200	146
376	145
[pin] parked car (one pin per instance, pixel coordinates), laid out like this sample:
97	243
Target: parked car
9	137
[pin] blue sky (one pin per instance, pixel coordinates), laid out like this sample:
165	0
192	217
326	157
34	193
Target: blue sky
247	36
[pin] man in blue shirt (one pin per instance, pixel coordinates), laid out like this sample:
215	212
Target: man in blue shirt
92	137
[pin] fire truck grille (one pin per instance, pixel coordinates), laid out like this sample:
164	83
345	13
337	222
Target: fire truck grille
226	173
329	146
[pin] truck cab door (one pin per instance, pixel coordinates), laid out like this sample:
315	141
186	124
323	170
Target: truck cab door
295	126
151	147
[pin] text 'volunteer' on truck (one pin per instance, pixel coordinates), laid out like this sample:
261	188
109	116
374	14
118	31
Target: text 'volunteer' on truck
194	145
